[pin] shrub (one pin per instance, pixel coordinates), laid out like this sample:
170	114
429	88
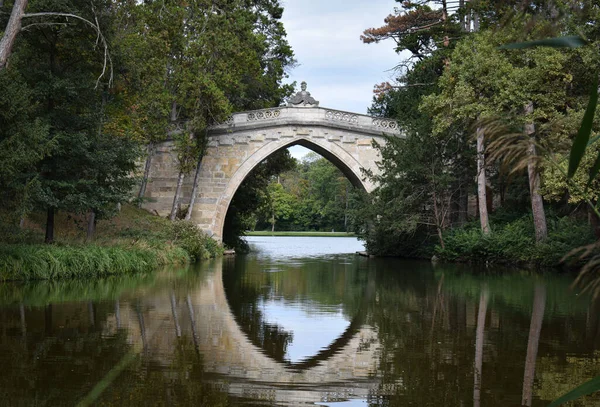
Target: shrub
195	242
514	242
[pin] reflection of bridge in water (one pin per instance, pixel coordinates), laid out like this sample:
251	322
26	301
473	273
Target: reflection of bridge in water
345	369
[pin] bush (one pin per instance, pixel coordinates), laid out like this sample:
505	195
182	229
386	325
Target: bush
383	242
514	242
196	243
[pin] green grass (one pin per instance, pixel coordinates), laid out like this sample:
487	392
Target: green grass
134	241
51	262
312	234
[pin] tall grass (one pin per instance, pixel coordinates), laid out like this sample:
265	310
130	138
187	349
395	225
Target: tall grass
134	241
45	262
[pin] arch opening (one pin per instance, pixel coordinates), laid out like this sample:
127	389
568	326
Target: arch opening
248	176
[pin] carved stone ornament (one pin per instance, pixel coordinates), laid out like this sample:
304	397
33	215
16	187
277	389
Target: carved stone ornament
302	98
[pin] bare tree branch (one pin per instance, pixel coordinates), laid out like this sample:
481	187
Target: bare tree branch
28	26
95	26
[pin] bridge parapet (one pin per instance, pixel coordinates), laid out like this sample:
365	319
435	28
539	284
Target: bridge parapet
303	116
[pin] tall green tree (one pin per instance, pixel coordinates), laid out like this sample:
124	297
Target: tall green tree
190	64
85	169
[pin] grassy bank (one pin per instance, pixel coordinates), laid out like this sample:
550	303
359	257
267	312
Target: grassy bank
132	242
310	234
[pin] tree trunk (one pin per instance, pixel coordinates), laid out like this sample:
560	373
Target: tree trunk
537	203
175	206
146	172
479	337
444	10
535	328
273	221
594	222
188	215
481	183
49	226
12	29
463	204
439	219
91	226
346	211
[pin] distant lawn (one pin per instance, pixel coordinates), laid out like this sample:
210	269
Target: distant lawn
313	234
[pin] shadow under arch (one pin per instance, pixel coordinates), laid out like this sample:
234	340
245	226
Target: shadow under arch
335	347
339	157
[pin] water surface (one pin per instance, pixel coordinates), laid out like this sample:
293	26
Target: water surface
300	321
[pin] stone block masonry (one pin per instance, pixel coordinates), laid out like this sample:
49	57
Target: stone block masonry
237	146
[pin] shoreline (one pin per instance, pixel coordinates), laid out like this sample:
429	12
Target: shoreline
300	234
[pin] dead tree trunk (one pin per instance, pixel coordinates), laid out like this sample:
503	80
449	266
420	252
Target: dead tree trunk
537	203
12	29
481	183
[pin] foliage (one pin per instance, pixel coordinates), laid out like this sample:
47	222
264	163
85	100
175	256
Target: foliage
459	78
514	242
133	235
247	199
196	243
313	195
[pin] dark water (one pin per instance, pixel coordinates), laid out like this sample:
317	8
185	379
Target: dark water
299	323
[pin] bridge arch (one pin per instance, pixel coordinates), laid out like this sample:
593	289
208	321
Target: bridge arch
237	146
344	161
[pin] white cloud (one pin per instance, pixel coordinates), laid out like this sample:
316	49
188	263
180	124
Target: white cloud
340	70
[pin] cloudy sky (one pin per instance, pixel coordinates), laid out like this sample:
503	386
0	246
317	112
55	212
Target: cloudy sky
340	70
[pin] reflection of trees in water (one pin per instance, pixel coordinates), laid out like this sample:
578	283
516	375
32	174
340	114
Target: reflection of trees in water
431	367
59	357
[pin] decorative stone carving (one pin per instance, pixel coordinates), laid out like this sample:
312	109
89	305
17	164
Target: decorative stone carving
385	124
302	98
341	116
264	115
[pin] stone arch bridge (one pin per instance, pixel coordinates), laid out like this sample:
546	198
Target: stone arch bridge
237	146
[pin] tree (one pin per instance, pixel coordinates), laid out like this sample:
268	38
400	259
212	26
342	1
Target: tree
249	197
12	29
237	52
24	142
85	169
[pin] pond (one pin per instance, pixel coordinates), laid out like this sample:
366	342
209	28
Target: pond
299	321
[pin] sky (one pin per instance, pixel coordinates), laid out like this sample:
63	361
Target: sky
339	69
